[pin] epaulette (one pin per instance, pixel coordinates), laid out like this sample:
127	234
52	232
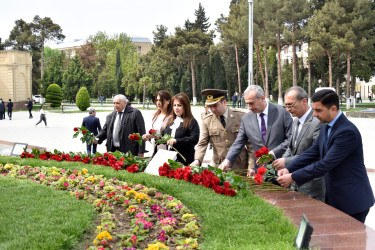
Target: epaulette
239	110
208	115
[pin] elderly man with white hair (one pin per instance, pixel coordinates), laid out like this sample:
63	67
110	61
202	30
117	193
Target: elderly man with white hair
121	123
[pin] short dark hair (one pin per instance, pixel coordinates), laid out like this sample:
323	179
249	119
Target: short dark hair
327	97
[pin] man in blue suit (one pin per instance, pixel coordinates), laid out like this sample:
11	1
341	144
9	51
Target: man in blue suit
338	155
92	123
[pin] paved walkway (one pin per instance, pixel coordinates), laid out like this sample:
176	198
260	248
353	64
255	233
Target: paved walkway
59	135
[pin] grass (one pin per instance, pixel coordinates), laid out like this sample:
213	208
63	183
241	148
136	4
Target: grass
33	216
241	222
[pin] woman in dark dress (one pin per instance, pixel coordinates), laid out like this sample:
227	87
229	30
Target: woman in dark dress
183	128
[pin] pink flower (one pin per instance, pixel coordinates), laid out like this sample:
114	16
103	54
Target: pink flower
66	184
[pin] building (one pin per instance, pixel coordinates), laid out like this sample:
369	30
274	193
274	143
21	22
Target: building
15	77
142	45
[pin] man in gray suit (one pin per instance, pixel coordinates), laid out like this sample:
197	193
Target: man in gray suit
266	124
306	129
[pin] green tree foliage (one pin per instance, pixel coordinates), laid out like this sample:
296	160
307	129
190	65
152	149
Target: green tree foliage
118	73
87	55
83	99
44	30
54	71
54	95
2	45
201	21
160	35
105	86
74	78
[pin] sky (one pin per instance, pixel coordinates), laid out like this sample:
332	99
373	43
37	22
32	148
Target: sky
81	18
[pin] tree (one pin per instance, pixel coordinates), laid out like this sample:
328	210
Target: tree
160	35
201	21
54	95
53	73
87	55
118	73
295	13
83	99
144	81
2	45
74	78
44	29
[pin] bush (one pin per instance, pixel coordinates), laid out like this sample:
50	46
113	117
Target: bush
83	99
54	95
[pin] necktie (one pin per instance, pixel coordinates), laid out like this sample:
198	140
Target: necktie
222	120
263	127
296	133
118	126
325	139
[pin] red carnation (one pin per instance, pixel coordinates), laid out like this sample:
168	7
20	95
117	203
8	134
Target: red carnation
196	179
261	170
75	129
226	184
229	192
136	137
152	131
84	131
257	154
258	178
218	189
264	150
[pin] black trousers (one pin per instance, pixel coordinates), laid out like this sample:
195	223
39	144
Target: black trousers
42	118
30	115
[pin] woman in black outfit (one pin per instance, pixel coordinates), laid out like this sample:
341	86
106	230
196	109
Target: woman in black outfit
183	128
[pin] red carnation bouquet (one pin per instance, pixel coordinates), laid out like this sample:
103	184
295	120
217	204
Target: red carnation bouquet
87	136
136	137
268	174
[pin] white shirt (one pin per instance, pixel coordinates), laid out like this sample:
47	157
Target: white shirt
158	123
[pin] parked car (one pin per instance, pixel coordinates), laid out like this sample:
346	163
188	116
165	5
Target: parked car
36	98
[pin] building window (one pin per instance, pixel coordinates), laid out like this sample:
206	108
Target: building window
139	49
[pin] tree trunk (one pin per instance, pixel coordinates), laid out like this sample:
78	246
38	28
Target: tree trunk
309	74
294	64
266	92
42	61
280	99
144	94
257	72
193	81
329	67
238	70
260	63
338	80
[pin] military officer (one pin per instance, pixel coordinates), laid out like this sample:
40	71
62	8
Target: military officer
220	127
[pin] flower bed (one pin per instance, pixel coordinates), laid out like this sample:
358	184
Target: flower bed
131	216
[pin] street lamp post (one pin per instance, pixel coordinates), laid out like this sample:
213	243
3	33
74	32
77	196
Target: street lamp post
250	73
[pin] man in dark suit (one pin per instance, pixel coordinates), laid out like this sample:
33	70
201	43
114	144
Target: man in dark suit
266	124
339	148
121	123
305	131
29	107
10	109
92	123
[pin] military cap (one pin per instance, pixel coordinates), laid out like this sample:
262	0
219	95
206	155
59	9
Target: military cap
213	95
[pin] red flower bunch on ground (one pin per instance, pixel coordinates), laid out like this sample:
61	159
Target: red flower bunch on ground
27	155
136	137
258	177
206	178
152	132
133	168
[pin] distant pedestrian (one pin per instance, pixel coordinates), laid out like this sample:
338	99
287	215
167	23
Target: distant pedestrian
234	100
92	123
101	99
10	109
358	96
29	107
2	109
239	104
42	116
370	96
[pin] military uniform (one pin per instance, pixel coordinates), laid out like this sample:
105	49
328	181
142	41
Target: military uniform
222	138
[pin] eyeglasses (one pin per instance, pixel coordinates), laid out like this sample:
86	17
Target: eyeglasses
290	105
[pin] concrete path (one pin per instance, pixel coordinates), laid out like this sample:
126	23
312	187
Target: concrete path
59	135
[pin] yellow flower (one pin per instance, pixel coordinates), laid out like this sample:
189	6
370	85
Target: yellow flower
8	166
187	216
156	246
141	196
99	227
84	171
171	205
104	236
91	178
130	192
